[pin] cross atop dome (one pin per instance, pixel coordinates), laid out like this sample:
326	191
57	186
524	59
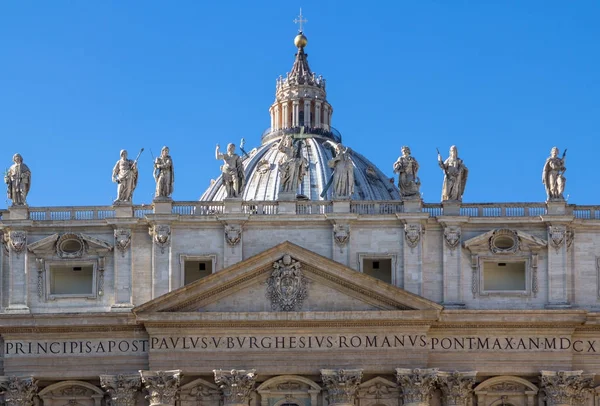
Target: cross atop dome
299	20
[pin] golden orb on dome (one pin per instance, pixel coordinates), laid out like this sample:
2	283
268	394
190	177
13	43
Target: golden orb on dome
300	41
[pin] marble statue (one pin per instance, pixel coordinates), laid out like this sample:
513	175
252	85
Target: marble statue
343	172
18	181
552	175
408	182
232	170
125	174
292	165
455	176
164	174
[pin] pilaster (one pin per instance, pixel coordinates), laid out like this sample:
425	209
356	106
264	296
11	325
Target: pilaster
122	267
417	385
162	386
236	385
123	389
232	233
17	275
452	261
161	259
341	239
558	282
342	385
414	232
565	388
457	387
18	391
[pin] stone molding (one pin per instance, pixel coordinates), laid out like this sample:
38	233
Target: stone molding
565	387
162	386
17	241
341	384
161	235
122	389
236	385
18	391
457	387
417	384
412	234
122	239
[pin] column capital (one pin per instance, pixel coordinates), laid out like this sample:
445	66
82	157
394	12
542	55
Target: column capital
417	384
456	387
162	386
565	387
236	385
121	388
18	391
341	385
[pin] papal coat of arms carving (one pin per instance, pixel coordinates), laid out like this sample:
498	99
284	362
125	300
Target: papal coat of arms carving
287	285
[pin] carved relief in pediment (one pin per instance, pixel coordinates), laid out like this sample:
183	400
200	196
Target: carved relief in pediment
200	393
69	246
71	393
378	391
506	390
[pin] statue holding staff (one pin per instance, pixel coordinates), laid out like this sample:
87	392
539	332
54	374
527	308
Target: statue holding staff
343	172
552	175
125	174
232	171
18	181
455	175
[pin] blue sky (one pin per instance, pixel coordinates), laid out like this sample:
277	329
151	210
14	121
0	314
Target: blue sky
503	80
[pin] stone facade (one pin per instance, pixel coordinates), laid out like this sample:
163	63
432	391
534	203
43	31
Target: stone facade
300	301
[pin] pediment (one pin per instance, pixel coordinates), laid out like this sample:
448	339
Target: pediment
79	245
247	287
378	388
497	241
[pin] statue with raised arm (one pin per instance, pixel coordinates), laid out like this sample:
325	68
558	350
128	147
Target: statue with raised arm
164	174
18	181
552	175
408	182
125	174
292	165
232	171
343	173
455	176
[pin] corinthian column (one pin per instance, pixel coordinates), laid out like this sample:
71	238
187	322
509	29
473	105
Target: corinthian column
564	388
121	388
457	387
162	386
341	385
417	385
18	391
236	385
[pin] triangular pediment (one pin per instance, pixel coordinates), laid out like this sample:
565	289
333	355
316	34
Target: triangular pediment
498	241
265	282
69	245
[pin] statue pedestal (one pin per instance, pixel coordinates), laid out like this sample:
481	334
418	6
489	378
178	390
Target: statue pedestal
123	210
20	212
412	205
286	208
556	207
341	206
286	196
162	205
451	207
232	205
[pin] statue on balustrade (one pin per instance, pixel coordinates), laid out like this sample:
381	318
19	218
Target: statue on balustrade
408	182
18	181
343	173
232	171
164	174
125	174
455	175
552	175
292	165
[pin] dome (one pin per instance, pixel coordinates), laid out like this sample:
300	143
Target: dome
261	166
302	116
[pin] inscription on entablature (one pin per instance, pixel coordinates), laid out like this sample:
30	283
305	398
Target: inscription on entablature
298	342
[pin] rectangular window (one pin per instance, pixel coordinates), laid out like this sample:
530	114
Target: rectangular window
71	279
380	268
504	276
194	270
